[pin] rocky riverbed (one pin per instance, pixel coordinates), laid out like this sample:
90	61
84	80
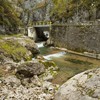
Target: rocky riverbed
27	87
22	78
27	79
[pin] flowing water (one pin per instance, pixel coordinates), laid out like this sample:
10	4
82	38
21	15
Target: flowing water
69	64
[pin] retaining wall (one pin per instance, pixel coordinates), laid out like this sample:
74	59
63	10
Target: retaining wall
80	38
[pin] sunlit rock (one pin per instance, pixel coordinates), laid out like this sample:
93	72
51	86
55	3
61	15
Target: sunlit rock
84	86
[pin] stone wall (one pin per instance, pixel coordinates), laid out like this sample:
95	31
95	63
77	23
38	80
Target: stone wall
80	38
32	33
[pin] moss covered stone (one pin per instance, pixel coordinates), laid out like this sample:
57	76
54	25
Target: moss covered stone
48	64
13	50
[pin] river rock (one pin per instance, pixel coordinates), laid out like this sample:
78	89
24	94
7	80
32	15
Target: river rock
40	57
84	86
29	44
51	70
12	88
29	69
49	42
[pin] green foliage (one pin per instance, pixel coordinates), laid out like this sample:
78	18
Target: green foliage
14	50
8	15
67	8
48	64
59	7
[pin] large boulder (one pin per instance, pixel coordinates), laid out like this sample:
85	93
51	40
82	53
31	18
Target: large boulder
49	42
25	42
29	69
29	44
17	48
11	50
84	86
51	70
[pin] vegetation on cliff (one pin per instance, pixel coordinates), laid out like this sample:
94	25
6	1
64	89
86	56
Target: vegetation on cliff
8	16
68	8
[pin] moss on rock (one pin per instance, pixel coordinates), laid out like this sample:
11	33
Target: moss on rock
48	64
13	50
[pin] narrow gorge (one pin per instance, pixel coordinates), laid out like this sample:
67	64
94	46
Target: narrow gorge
49	49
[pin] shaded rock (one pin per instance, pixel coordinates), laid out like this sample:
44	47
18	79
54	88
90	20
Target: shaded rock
84	86
29	44
49	43
30	69
48	64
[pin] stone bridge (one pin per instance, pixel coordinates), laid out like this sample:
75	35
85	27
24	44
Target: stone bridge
43	29
78	37
40	30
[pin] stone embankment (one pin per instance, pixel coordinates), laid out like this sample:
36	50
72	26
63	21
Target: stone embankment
82	37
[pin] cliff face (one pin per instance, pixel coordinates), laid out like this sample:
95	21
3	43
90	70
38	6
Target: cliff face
25	12
65	11
75	11
32	10
60	10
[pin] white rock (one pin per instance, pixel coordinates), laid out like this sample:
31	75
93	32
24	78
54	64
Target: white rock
84	86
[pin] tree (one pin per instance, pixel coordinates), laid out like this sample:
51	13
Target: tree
8	16
67	8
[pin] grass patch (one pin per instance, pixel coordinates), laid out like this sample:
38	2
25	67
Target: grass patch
14	50
10	35
48	64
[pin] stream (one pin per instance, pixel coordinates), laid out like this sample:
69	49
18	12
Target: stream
69	64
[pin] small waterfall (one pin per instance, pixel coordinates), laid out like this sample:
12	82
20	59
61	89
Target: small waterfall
40	44
49	56
57	55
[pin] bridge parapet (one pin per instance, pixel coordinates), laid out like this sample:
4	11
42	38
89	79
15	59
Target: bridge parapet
42	23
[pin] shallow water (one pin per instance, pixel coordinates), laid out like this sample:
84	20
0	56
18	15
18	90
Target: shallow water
69	64
55	55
